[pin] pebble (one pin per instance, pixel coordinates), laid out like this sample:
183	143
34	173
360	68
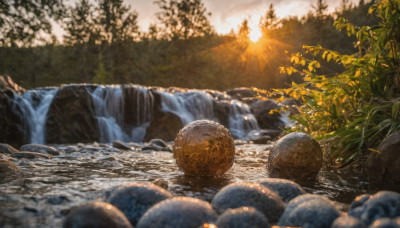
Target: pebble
40	149
286	189
242	217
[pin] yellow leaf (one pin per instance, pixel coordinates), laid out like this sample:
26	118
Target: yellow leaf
373	150
310	67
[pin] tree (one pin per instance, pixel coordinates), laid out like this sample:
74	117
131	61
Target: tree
22	22
269	20
244	32
320	9
184	19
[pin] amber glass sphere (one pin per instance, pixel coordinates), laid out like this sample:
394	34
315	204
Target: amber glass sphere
204	148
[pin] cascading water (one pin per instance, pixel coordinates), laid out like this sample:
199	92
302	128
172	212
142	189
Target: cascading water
241	121
34	105
189	106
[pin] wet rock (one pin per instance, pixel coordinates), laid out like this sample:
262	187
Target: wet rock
384	204
385	166
242	92
136	198
221	111
120	145
71	116
57	200
178	212
11	120
30	155
386	223
158	142
242	217
97	214
204	148
152	148
262	136
40	149
249	195
7	149
7	167
266	120
165	126
309	211
356	208
286	189
296	155
348	222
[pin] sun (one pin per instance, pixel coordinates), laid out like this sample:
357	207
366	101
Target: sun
255	34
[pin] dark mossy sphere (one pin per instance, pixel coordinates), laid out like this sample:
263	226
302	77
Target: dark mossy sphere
204	148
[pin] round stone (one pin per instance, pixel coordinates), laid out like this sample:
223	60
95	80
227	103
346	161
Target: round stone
7	167
296	155
136	198
178	212
204	148
249	195
242	217
286	189
309	211
347	222
97	214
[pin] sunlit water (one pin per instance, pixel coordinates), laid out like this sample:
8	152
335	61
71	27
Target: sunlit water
48	188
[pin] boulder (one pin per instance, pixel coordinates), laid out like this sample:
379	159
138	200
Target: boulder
242	217
204	148
165	126
261	109
386	223
11	119
384	204
286	189
310	211
262	136
221	112
249	195
71	117
40	149
97	214
120	145
178	212
296	155
136	198
385	166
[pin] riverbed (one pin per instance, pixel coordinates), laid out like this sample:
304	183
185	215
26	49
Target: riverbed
46	189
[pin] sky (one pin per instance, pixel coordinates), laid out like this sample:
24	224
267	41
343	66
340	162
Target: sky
228	14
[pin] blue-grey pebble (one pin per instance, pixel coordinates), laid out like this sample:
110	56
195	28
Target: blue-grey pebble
309	211
242	217
178	212
286	189
136	198
96	214
386	223
384	204
249	195
348	222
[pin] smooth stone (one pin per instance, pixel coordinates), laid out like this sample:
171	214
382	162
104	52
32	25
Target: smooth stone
7	149
310	211
348	222
40	149
356	209
384	204
136	198
57	199
120	145
7	167
161	183
296	155
97	214
204	148
178	212
152	148
255	135
30	155
242	217
386	223
286	189
249	195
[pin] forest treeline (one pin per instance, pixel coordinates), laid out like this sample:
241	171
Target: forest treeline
103	44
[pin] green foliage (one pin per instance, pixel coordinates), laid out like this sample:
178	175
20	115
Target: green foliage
353	110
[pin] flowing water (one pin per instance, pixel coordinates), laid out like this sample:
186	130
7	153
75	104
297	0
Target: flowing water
47	188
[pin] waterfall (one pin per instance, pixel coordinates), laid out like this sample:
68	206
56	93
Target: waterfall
34	105
241	120
189	106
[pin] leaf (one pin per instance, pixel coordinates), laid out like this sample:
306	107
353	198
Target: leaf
373	150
